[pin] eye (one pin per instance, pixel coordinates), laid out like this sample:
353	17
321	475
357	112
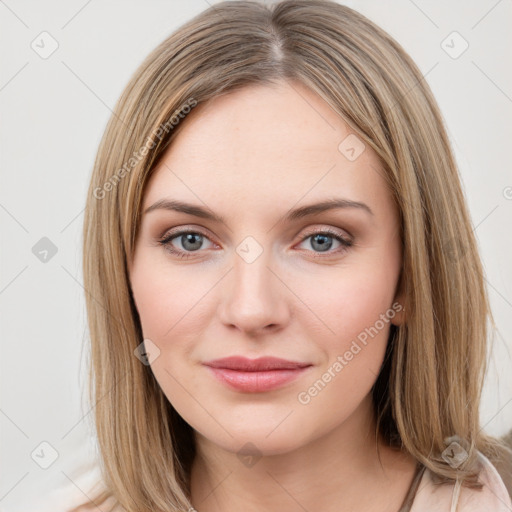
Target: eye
190	241
322	240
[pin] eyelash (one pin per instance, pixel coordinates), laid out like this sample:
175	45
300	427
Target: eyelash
166	242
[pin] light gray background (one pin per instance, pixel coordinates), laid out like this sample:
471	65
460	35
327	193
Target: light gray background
53	113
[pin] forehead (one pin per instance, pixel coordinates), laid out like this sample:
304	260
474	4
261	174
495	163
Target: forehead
266	145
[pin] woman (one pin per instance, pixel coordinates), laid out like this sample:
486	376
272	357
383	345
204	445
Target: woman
285	298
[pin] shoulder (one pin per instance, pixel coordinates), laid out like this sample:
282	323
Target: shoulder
492	497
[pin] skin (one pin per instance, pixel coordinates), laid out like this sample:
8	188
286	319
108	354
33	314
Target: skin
251	156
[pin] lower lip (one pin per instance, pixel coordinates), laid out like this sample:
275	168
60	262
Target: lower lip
256	382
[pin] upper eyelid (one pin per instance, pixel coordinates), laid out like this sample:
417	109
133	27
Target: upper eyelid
332	231
171	233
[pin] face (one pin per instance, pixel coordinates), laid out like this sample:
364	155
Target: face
259	275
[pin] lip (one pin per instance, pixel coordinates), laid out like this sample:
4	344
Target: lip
256	375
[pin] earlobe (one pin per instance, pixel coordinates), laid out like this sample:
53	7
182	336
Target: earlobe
400	314
398	305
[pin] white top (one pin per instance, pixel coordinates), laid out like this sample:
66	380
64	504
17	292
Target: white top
493	497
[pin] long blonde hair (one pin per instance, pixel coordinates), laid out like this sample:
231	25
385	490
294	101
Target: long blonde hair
430	384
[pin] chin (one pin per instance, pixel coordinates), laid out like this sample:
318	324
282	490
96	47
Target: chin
259	445
259	440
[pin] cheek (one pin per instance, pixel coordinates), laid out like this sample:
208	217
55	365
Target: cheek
165	299
336	312
334	307
356	312
348	305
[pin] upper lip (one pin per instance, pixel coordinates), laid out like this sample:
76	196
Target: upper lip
254	365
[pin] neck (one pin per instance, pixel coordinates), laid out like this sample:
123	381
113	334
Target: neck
339	471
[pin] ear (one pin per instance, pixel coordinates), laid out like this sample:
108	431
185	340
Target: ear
399	304
400	317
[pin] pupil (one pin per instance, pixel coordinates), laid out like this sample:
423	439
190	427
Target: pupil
323	241
189	238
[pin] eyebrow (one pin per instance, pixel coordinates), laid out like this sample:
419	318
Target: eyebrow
295	214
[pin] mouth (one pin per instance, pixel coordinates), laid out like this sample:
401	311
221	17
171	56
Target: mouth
256	375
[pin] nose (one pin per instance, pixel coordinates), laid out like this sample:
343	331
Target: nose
255	300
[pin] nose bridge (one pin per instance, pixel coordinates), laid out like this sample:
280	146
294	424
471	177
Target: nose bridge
255	296
252	279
